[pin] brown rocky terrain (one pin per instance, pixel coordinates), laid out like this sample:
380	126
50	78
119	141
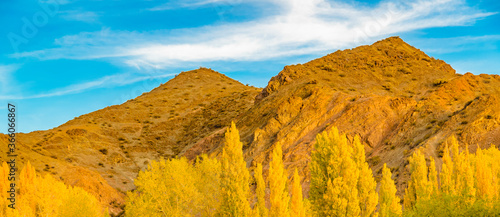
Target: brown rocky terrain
393	95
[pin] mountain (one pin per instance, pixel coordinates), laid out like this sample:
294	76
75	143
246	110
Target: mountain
394	96
103	151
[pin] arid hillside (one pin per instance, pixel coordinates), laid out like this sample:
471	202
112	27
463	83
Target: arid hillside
103	151
394	96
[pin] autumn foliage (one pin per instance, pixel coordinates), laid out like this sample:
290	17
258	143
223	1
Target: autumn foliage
468	184
342	184
45	196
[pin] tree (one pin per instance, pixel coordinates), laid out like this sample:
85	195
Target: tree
469	184
45	196
260	192
175	187
433	180
297	202
4	187
469	190
446	175
277	184
234	177
368	196
208	172
487	174
337	188
389	202
325	161
419	187
165	188
27	178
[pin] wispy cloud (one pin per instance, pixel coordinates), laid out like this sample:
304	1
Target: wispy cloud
61	2
104	82
82	16
299	27
171	5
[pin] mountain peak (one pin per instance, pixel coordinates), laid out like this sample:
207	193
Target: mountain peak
391	40
387	67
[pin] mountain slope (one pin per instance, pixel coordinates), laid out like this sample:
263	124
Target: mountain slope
103	151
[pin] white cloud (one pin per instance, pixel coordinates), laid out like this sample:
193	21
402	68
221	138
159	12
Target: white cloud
82	16
104	82
299	27
171	5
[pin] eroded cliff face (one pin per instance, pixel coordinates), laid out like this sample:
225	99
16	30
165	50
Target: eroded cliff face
394	96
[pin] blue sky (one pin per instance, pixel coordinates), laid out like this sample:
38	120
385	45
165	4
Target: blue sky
60	59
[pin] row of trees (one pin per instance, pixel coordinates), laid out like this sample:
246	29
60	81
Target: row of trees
45	196
211	187
341	184
468	184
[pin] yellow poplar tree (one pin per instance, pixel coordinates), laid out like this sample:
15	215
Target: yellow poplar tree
469	190
297	201
175	187
463	173
325	160
433	180
458	165
337	188
208	172
343	191
277	184
45	196
27	178
260	191
487	175
419	186
493	155
368	197
4	187
483	176
446	175
389	202
234	177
